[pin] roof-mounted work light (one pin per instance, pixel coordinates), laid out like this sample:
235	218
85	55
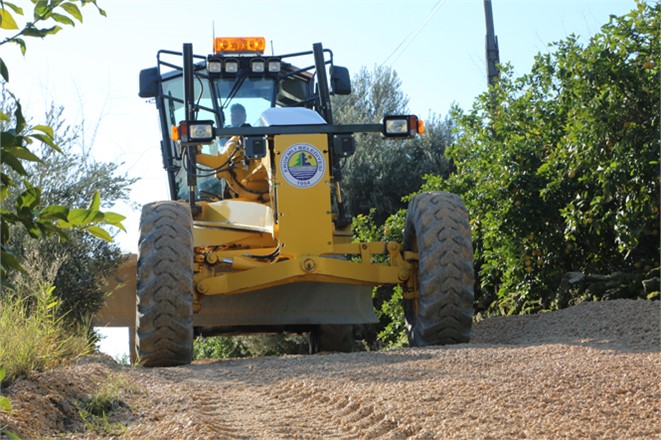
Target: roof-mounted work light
274	66
214	65
231	65
257	65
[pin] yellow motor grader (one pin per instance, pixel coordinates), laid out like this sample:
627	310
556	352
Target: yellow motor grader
256	237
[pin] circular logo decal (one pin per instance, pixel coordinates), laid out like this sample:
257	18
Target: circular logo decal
302	165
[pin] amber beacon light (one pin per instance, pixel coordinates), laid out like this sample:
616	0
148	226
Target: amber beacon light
239	44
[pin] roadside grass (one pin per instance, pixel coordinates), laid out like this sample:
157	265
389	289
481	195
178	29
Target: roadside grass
34	334
107	398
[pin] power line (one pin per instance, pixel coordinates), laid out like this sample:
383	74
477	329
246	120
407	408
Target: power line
406	42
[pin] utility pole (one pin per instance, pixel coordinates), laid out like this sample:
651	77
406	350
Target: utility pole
492	54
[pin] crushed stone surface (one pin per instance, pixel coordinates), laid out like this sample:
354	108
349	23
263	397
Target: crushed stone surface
590	371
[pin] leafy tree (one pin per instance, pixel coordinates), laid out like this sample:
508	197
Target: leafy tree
559	168
381	172
83	258
17	141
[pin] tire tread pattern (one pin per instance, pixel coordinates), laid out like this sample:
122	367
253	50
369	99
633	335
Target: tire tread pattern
437	226
164	319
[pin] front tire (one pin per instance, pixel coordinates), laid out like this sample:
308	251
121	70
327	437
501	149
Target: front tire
164	319
438	229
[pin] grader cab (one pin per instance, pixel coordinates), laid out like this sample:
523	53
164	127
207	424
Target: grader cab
256	237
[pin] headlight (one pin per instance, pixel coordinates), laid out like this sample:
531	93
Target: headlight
196	132
406	126
200	131
397	127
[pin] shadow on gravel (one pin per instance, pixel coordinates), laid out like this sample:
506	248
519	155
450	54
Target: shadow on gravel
331	365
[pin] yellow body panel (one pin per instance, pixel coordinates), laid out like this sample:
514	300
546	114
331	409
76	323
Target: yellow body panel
216	236
240	215
280	239
235	223
302	188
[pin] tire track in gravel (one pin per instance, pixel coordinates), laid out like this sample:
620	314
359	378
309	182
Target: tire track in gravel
226	400
176	408
221	401
353	414
266	413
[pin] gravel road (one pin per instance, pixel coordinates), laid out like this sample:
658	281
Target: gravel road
591	371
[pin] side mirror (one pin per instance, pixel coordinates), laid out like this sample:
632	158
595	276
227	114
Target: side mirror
149	79
340	80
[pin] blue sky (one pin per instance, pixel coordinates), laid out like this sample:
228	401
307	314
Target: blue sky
92	69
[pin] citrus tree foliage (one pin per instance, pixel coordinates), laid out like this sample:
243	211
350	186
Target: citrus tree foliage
82	258
18	138
559	168
381	171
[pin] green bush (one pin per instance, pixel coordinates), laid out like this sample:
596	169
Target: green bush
222	347
275	344
218	347
84	258
560	168
387	300
19	139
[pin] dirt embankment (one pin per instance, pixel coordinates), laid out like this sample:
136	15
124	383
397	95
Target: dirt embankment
591	371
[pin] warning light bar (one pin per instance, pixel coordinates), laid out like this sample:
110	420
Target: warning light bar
239	44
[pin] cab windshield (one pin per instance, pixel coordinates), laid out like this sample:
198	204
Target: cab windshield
214	101
254	94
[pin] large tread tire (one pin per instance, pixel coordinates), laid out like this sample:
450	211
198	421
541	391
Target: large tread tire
164	319
438	229
331	338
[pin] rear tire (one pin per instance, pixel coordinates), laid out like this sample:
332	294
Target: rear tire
331	337
438	229
164	319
